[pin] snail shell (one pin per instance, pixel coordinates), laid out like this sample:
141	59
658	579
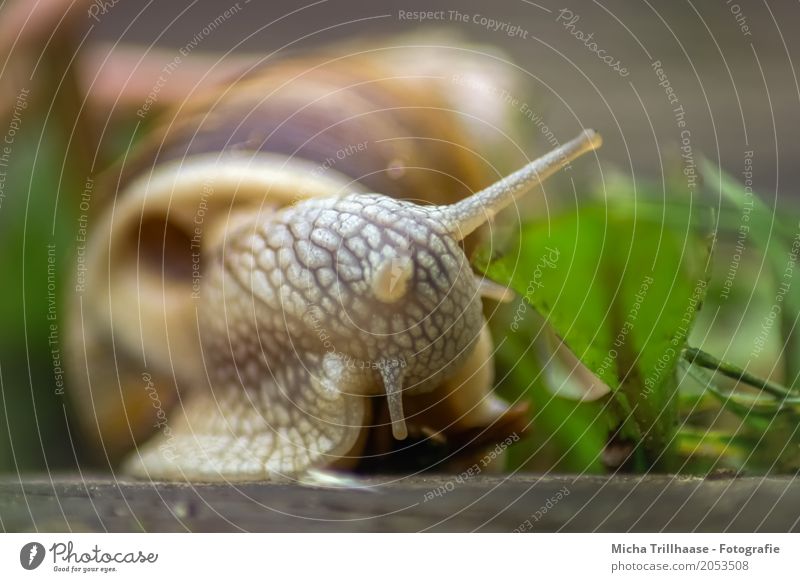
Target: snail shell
253	309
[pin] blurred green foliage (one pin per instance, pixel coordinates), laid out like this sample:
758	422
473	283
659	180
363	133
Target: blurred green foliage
619	279
33	432
38	228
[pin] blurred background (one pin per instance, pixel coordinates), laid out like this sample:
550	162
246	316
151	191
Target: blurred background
74	74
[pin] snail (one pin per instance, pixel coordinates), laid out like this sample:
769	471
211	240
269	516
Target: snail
258	302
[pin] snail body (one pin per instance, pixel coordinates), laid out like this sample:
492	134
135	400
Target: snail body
313	304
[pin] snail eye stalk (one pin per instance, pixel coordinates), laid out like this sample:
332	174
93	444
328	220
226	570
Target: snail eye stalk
463	217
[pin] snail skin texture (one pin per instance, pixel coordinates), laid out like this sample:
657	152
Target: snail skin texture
250	317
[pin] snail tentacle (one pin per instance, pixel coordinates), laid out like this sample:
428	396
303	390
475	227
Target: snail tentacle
392	375
463	217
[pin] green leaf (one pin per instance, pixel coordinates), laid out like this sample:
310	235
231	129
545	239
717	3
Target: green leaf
621	289
566	435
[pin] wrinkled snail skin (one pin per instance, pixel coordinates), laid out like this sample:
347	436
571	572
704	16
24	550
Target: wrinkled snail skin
354	297
317	320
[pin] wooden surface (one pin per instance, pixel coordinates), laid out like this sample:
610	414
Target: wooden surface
490	504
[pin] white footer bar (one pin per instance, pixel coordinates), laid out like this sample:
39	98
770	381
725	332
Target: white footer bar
401	557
